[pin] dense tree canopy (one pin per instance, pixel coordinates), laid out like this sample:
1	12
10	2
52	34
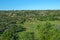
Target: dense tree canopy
30	25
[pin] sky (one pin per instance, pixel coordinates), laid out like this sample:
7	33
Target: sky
29	4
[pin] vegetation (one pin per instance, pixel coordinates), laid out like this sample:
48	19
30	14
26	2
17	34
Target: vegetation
30	25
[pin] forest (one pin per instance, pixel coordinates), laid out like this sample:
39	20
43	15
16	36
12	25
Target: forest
29	24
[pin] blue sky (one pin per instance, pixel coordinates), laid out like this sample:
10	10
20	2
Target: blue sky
29	4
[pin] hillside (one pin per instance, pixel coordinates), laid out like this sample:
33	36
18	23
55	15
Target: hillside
30	25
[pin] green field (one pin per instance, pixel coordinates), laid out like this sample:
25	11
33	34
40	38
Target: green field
37	29
30	25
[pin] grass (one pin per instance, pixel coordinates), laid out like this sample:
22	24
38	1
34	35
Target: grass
38	28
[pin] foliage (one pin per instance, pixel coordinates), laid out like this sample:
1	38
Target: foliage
30	25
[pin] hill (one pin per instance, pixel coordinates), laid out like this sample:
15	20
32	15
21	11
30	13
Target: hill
30	25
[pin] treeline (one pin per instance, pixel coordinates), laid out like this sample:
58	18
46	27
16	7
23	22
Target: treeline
41	15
